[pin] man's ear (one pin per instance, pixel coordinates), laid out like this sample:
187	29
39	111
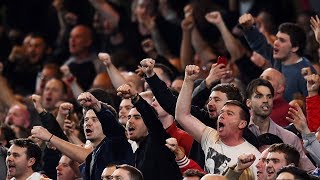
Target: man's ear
248	103
242	124
31	162
295	49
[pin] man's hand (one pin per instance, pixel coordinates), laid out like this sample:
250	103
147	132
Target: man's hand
87	100
40	133
148	45
214	17
172	144
315	26
149	22
244	161
312	84
192	72
246	21
147	66
69	127
126	91
188	10
217	72
306	71
36	99
105	59
187	23
64	112
297	117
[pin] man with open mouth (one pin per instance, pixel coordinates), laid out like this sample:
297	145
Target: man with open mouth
24	160
222	146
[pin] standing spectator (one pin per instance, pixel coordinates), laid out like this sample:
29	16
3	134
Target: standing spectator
24	159
222	146
67	169
260	95
144	127
83	63
286	55
280	105
22	69
280	155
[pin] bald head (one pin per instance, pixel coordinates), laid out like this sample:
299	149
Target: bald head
213	177
80	40
277	80
18	115
134	80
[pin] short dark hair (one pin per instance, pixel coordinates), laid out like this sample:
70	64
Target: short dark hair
168	73
253	85
134	173
33	151
232	92
244	113
291	154
296	34
298	173
193	173
268	139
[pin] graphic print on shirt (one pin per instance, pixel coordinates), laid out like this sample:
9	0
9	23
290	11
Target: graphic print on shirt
216	161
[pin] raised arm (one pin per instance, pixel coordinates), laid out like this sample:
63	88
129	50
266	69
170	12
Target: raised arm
315	26
256	40
110	125
311	144
186	51
149	116
313	101
115	76
106	10
73	151
160	90
71	81
191	124
233	46
48	120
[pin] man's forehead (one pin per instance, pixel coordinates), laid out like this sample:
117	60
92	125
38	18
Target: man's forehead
219	94
134	112
17	149
278	155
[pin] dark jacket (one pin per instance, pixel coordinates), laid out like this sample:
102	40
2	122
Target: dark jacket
114	148
153	158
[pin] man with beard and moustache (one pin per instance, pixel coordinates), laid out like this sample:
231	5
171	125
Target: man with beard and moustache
24	160
209	89
286	54
260	95
280	155
222	146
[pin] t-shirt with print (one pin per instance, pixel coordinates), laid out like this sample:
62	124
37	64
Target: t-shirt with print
218	156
